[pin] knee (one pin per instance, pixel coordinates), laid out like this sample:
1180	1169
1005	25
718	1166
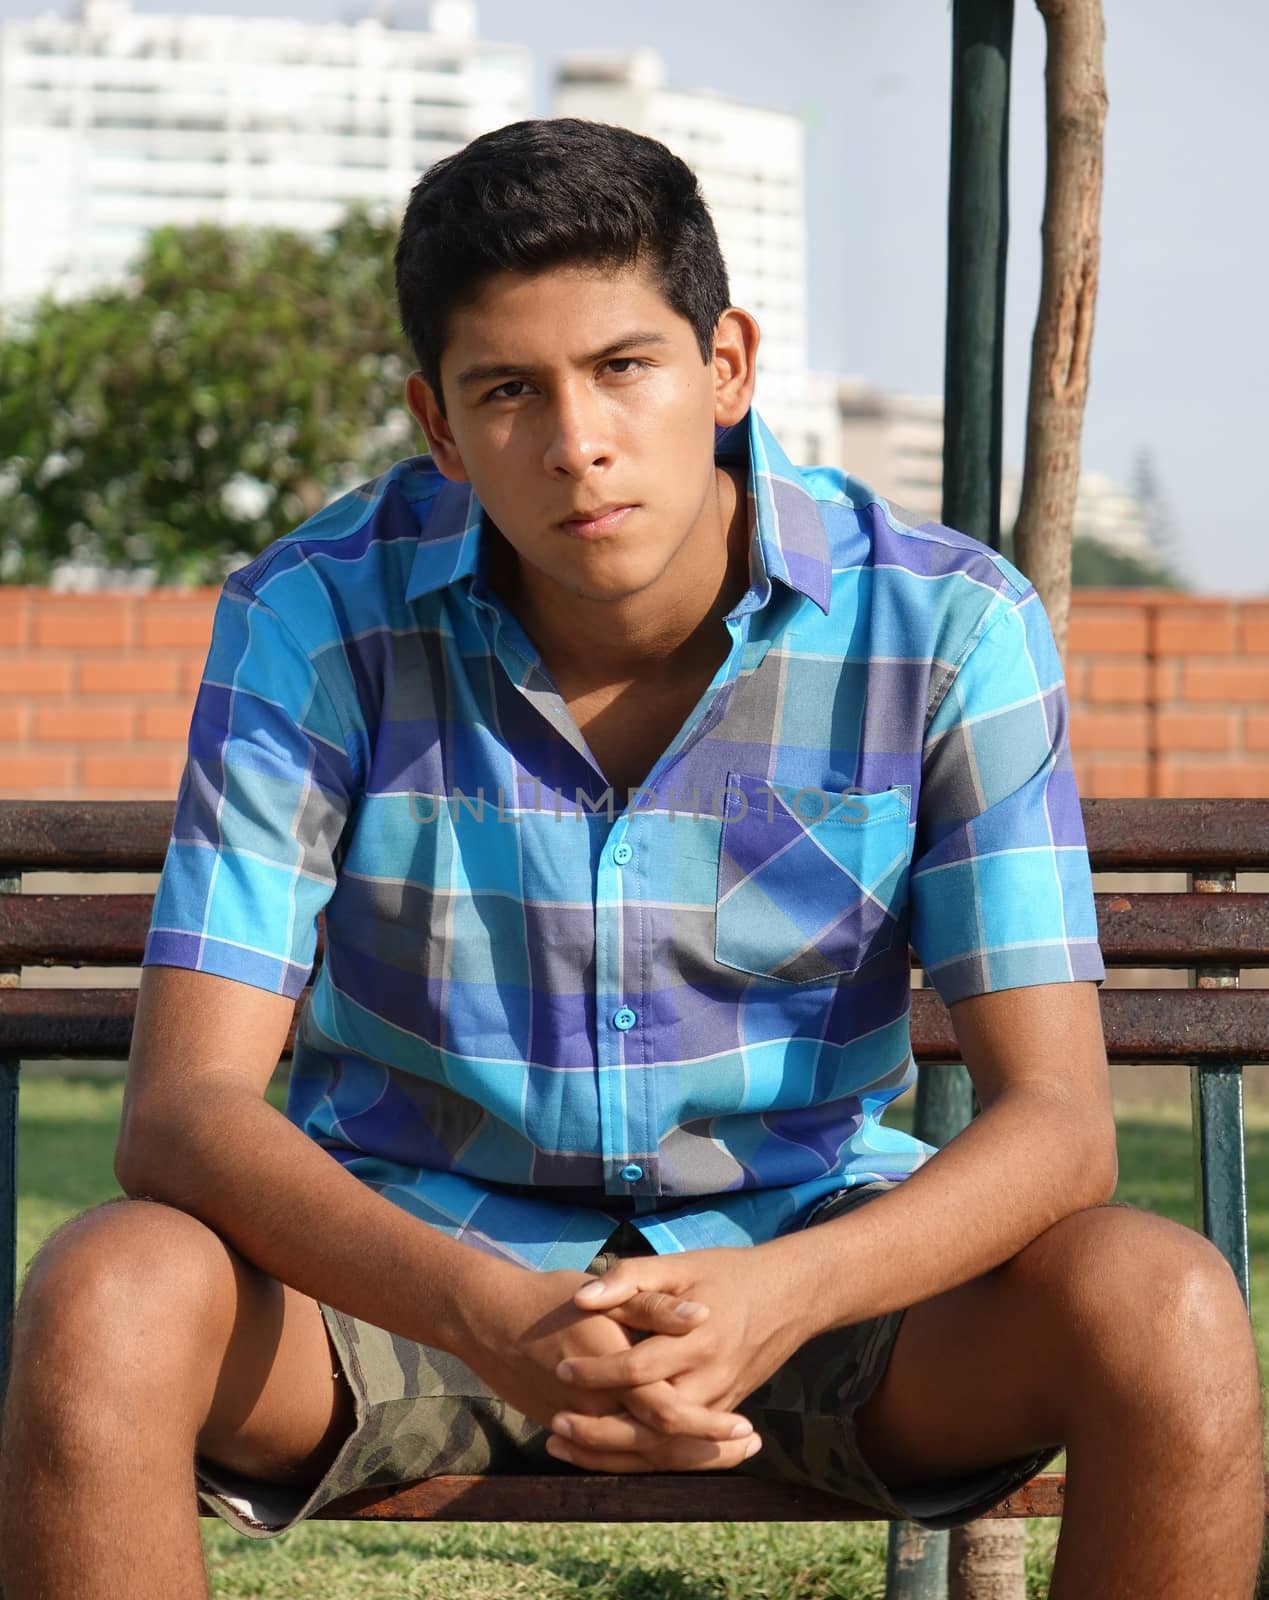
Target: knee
109	1278
1155	1325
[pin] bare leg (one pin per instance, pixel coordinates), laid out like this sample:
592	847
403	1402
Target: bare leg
142	1336
1122	1336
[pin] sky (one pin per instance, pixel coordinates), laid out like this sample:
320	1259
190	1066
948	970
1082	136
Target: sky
1181	340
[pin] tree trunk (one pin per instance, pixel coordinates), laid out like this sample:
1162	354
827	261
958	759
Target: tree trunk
985	1560
1075	92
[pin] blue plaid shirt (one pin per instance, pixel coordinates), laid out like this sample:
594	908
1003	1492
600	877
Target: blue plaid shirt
544	1008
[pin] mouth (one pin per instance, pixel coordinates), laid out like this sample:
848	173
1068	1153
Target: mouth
597	521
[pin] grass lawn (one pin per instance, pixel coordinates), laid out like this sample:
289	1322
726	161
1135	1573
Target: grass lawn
64	1165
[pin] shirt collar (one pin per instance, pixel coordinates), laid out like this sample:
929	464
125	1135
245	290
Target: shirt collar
788	542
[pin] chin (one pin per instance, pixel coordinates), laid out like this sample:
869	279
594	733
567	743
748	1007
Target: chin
610	587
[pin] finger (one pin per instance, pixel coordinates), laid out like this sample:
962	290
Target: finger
670	1455
650	1361
662	1408
623	1281
659	1313
622	1430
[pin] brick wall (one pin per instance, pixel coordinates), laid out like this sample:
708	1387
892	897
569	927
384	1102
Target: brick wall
1169	694
96	690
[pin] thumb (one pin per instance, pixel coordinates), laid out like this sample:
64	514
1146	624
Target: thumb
617	1285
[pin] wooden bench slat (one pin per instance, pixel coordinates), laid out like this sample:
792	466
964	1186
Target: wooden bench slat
1177	835
1144	930
1123	835
651	1497
1141	1025
84	835
72	930
1183	930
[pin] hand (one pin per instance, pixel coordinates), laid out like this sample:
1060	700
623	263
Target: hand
519	1326
723	1357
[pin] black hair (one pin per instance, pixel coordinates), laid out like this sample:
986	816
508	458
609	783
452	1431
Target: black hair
543	193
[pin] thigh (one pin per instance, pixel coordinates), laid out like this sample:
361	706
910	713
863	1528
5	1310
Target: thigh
1006	1364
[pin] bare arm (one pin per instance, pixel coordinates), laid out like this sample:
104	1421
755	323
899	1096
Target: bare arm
198	1135
1042	1147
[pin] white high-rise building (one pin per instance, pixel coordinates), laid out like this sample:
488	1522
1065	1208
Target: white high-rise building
114	122
749	162
894	443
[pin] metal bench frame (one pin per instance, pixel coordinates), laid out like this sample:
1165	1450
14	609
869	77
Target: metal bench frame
1213	1027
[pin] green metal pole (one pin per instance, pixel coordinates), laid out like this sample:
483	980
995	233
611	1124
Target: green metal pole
973	382
9	884
1220	1146
977	243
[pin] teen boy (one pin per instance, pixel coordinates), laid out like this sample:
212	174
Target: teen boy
626	760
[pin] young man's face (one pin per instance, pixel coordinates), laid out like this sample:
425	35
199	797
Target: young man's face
578	406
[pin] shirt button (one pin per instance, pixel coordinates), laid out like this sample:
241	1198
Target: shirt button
632	1173
623	1019
622	853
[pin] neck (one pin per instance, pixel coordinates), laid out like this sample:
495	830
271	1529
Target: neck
670	624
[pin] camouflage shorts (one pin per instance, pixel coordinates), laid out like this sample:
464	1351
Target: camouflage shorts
421	1413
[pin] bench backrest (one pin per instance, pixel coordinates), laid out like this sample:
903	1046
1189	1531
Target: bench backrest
1210	930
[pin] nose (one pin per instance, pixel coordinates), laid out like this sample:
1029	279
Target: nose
578	441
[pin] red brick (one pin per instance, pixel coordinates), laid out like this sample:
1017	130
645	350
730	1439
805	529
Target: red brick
1197	730
1114	682
1117	630
84	620
1116	780
30	672
192	673
1210	630
13	720
15	616
168	621
1254	635
78	723
133	673
1244	684
1092	731
1246	780
139	775
169	723
1165	681
1256	731
35	777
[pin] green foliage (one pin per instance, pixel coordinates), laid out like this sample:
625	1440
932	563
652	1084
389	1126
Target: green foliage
1095	565
183	421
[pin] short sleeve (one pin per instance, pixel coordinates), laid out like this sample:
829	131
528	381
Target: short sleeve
1001	890
261	808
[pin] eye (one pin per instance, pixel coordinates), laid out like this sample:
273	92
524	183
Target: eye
621	365
513	389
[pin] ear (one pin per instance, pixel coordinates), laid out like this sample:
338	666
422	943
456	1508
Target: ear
734	364
427	411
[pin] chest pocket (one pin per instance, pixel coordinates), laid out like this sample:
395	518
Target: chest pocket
811	886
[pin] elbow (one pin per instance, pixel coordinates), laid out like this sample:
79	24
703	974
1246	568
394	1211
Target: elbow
1101	1165
138	1162
129	1169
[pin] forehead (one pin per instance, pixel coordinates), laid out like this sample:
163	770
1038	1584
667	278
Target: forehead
558	313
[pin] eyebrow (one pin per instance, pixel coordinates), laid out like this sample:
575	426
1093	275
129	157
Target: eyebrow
470	376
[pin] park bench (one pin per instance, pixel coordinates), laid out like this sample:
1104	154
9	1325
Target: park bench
1212	1026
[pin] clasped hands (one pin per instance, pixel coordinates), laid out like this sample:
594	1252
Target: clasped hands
714	1325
